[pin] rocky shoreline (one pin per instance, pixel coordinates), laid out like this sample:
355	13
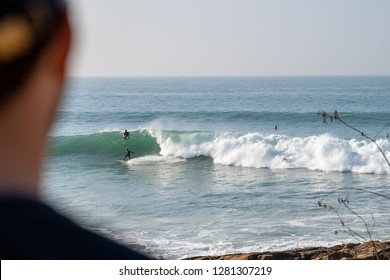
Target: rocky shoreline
372	250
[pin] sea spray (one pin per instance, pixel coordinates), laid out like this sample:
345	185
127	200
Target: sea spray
320	152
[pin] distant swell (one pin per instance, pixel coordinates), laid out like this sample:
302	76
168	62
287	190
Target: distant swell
256	150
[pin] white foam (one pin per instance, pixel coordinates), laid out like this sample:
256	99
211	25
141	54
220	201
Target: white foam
153	159
322	152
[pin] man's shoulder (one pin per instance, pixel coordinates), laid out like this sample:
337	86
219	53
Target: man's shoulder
32	230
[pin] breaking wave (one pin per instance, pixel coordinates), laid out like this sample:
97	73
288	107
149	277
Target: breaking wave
318	152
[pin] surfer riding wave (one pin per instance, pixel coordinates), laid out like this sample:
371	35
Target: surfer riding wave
127	154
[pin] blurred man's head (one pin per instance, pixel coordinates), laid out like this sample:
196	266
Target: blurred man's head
26	28
34	43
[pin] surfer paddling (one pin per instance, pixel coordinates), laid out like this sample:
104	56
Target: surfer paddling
127	154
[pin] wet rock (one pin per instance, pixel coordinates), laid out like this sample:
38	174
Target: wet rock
371	250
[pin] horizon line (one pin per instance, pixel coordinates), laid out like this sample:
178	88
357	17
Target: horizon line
228	76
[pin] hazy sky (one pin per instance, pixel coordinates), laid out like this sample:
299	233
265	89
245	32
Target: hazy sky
230	37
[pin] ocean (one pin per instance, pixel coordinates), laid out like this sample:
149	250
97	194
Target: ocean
223	164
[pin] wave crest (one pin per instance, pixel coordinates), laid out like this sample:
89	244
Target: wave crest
319	152
322	152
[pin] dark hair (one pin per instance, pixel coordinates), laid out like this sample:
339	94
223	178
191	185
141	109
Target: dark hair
26	26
